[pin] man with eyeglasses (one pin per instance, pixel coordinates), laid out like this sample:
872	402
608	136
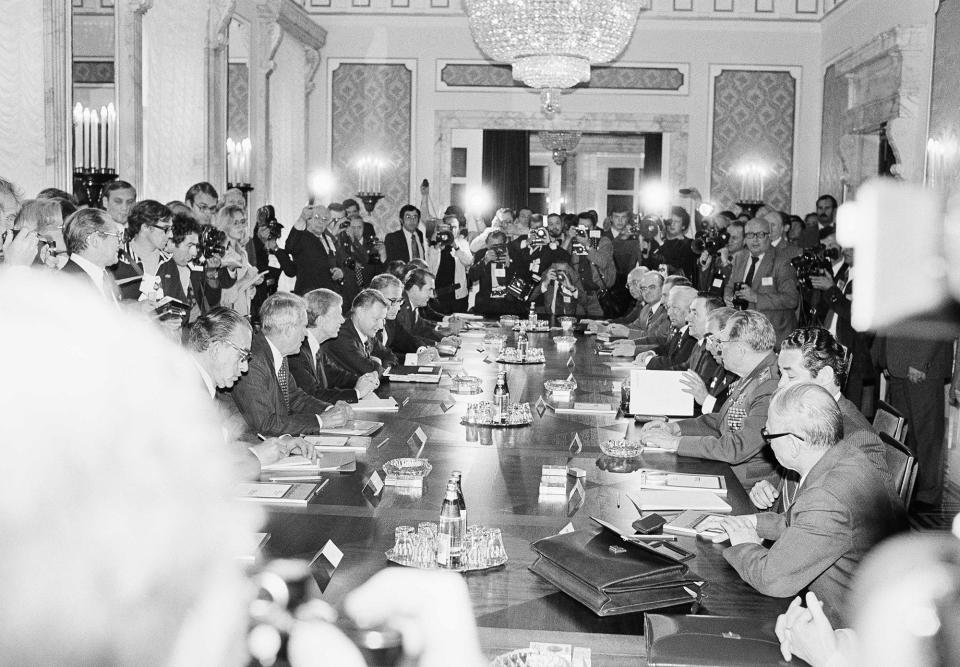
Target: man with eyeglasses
652	321
732	434
149	225
841	510
219	346
418	289
202	198
93	240
813	355
764	280
268	396
315	251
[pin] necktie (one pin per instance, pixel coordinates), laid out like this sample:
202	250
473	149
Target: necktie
321	373
414	247
367	347
283	377
753	267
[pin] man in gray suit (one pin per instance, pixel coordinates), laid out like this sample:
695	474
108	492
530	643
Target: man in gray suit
842	508
813	355
767	281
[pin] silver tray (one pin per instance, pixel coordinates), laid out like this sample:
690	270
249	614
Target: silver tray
406	563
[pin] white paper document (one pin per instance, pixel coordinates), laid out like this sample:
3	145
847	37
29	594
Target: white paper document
659	393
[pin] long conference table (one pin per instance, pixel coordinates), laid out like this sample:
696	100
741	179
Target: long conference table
501	474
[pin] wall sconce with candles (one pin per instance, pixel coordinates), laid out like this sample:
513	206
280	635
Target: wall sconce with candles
238	164
752	186
369	174
94	151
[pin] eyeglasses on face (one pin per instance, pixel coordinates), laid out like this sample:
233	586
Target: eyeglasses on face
206	208
647	288
770	437
166	229
756	235
118	235
244	354
394	302
721	341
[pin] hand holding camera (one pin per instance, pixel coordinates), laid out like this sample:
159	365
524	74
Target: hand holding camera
743	294
337	274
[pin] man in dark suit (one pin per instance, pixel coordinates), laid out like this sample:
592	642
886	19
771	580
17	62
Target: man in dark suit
652	326
674	354
400	341
835	292
916	370
768	281
841	510
313	369
93	240
358	347
407	242
732	434
265	254
414	314
708	381
813	355
268	395
183	281
315	251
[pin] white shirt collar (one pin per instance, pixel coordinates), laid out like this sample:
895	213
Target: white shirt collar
95	272
774	244
655	307
363	339
312	343
277	357
207	380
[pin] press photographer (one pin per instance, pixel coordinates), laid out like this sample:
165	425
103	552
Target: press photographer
592	260
715	264
449	259
492	270
268	256
559	290
532	256
315	251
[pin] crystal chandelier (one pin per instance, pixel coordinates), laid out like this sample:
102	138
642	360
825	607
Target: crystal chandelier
560	142
552	43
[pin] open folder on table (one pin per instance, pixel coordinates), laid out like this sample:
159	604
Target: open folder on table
659	393
658	500
326	462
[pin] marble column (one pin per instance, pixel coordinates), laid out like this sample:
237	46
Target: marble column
129	83
58	93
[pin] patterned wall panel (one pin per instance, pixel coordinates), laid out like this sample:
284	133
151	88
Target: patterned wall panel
753	118
93	71
472	75
371	115
238	100
835	92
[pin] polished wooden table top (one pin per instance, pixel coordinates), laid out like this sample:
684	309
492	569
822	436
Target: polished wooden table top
501	473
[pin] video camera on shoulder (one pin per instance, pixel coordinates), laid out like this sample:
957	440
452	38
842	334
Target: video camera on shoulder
267	217
444	238
649	226
500	250
814	262
710	240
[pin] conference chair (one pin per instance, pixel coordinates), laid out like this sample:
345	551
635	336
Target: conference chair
902	466
889	420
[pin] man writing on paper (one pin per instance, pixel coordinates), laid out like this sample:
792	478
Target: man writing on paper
842	508
813	355
268	396
219	346
312	368
733	434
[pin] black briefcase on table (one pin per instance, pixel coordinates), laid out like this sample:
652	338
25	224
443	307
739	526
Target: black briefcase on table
609	582
723	641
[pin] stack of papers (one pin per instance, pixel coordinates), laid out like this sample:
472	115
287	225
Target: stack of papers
589	409
659	393
286	494
427	374
678	481
658	500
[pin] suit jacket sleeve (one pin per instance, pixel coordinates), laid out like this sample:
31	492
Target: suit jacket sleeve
403	342
819	533
301	401
349	354
256	397
295	241
732	446
785	294
306	380
606	266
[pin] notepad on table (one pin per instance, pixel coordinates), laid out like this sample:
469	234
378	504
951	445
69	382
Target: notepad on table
373	403
338	443
658	500
284	494
353	427
659	393
680	481
588	409
425	374
326	462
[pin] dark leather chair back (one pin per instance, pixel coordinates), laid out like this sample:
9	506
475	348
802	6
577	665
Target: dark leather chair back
902	465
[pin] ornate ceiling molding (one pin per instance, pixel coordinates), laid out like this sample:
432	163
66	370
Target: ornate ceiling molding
293	19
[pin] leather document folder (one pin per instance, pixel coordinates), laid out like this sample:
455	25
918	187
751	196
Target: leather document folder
615	581
724	641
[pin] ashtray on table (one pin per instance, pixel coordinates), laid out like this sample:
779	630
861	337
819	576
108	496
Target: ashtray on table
406	471
560	387
466	384
510	355
542	326
622	449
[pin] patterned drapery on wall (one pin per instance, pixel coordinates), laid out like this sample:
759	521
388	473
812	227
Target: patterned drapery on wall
238	101
753	119
371	116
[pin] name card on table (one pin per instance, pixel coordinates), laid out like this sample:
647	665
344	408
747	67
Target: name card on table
374	484
575	498
325	563
541	406
417	441
571	363
576	446
446	404
567	529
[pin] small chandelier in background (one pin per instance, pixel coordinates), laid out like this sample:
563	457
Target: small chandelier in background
552	43
560	142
